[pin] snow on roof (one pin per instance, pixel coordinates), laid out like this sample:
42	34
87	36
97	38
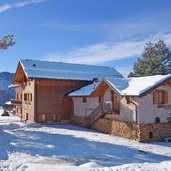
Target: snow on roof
83	91
135	86
8	103
139	85
13	86
117	83
60	70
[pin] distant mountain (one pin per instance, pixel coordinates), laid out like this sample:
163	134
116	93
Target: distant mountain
6	94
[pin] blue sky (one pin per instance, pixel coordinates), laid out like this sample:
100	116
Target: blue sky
101	32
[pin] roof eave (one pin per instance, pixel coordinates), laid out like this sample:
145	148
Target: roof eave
45	78
141	94
112	87
67	94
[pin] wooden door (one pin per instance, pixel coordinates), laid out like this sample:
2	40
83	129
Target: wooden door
115	102
26	116
58	117
43	118
54	117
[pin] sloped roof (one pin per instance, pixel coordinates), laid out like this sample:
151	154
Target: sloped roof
141	85
117	84
136	86
83	91
60	70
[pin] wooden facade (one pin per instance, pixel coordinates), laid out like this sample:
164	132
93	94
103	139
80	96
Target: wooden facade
44	100
51	102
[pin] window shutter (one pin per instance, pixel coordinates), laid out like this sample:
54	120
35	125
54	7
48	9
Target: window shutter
165	97
155	97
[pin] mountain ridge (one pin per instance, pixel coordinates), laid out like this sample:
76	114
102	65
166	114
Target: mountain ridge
6	94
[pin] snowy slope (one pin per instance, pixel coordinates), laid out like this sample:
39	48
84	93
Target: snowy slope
33	147
6	94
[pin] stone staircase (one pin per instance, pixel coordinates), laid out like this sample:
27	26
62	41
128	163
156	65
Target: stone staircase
97	113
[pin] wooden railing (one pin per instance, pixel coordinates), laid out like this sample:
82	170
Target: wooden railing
98	112
16	101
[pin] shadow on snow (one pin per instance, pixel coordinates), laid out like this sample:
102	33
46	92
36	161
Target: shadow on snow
79	150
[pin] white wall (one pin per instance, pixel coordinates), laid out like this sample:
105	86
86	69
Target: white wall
127	112
148	111
84	109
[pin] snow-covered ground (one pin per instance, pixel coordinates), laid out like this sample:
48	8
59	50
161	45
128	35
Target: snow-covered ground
33	147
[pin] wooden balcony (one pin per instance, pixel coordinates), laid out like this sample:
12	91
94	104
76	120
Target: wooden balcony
16	101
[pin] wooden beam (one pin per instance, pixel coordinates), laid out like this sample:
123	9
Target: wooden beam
100	90
19	75
169	83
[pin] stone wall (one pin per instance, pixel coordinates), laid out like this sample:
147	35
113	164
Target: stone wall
28	107
80	121
118	128
147	111
138	132
18	111
82	109
153	132
26	110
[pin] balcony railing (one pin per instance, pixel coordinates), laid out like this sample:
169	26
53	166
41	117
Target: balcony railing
100	111
16	101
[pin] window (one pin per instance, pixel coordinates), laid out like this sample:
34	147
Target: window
84	99
25	96
157	120
21	96
30	97
18	95
100	99
128	100
160	97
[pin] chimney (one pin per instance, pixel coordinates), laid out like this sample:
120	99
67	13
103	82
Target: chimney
95	81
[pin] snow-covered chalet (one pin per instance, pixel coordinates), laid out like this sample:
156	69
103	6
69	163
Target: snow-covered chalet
97	97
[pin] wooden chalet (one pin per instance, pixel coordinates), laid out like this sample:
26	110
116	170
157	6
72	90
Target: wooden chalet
41	88
93	96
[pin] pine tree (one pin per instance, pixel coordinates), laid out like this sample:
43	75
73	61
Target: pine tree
156	60
6	42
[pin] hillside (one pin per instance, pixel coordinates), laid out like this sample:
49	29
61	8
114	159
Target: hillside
6	94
